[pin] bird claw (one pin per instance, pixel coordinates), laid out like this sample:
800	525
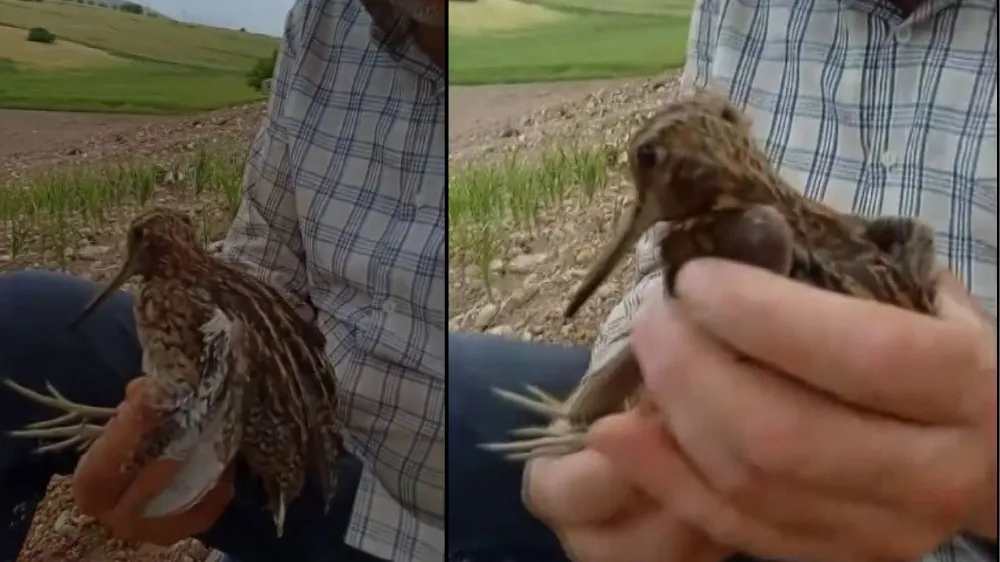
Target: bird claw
558	439
279	515
71	429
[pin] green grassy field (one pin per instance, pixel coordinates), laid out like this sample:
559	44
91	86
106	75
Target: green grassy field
105	60
509	41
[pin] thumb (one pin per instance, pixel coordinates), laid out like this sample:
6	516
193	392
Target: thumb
639	448
955	303
580	488
107	469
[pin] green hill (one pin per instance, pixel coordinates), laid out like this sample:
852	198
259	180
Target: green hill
107	60
506	41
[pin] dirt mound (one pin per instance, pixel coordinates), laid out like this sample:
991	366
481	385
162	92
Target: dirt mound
538	269
35	142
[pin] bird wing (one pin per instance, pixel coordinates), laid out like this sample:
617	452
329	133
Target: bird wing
208	426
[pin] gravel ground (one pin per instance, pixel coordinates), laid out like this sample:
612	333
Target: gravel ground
539	269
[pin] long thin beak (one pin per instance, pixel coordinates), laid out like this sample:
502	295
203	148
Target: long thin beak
121	277
643	216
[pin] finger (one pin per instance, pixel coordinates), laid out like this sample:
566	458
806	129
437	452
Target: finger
956	303
865	530
575	489
735	422
650	535
639	448
106	470
855	349
164	531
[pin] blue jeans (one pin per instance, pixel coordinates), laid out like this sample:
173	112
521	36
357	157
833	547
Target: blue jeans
486	520
93	365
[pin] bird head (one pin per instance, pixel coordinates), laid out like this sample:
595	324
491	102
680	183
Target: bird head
695	155
159	241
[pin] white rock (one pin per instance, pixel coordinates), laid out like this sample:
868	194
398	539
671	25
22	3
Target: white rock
61	521
526	262
606	290
501	330
485	316
91	252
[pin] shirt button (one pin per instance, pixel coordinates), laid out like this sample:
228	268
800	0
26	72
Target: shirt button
389	307
419	200
903	34
889	159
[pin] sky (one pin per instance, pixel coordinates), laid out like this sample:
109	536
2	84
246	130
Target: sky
261	16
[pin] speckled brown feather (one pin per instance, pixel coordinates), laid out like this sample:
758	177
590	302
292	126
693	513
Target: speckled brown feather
274	386
697	167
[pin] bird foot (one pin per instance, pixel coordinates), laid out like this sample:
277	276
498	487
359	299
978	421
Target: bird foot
557	439
72	429
279	516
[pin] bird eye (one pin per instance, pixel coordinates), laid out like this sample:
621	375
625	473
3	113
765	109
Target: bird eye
647	156
730	114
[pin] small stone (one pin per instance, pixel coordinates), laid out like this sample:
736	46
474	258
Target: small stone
90	253
485	316
526	262
61	521
523	295
607	290
501	330
496	265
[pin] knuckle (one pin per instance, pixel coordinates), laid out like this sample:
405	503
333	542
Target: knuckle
962	480
904	547
721	526
768	442
952	501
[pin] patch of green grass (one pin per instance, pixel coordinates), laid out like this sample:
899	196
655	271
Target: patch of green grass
488	200
42	222
631	7
143	37
135	87
580	47
170	67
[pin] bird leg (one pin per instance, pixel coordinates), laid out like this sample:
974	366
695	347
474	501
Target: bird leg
558	438
73	428
756	235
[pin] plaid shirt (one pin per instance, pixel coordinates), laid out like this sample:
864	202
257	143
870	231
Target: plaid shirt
870	111
344	208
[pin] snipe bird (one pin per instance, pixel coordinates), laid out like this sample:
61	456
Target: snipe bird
232	371
696	167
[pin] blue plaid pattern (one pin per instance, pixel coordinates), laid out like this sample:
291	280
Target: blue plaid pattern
344	208
871	111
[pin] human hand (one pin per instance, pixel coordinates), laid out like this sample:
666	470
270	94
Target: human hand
599	517
117	497
874	436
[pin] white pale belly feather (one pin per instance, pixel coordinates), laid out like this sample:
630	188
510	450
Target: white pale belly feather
203	427
197	476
